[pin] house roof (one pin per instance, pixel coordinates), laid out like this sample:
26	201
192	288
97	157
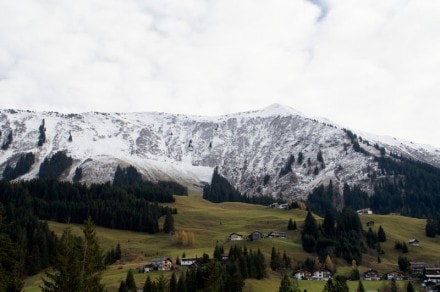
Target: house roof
371	271
159	260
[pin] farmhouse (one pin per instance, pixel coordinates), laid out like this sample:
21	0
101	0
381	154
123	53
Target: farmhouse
364	211
162	264
303	274
187	261
371	275
395	275
322	274
274	234
255	235
235	236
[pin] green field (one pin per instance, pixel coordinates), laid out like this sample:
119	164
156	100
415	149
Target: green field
212	223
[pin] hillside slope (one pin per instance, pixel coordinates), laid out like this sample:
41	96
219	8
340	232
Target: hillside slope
249	148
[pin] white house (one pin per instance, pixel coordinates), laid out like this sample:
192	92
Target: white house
322	274
235	236
365	211
187	261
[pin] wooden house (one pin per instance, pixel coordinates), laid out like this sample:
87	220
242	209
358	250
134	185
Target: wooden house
302	274
256	235
162	264
235	236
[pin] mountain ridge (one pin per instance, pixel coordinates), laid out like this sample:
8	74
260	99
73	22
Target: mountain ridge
247	147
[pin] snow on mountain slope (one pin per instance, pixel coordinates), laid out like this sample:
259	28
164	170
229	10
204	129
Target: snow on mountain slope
249	148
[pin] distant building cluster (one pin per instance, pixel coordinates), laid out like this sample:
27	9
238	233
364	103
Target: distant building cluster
256	235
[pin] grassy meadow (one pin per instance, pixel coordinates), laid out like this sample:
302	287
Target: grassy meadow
212	223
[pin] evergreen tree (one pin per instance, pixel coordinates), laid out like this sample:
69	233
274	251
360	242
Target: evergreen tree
393	286
288	166
67	269
218	252
309	234
319	157
300	158
149	285
168	226
381	236
92	260
410	287
130	282
181	287
286	261
275	260
286	285
316	170
329	286
79	263
123	287
360	287
8	141
430	227
290	225
162	283
118	252
42	137
404	248
328	226
404	263
10	265
173	283
78	175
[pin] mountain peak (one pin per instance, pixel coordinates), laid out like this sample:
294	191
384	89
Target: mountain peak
277	109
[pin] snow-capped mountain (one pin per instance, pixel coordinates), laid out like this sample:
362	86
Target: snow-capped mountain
249	148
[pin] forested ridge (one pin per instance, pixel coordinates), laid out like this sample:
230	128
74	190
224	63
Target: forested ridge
403	186
220	190
114	207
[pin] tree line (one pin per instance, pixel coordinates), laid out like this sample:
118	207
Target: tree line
22	166
220	190
26	245
114	207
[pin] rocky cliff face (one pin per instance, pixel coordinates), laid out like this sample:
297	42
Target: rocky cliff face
249	148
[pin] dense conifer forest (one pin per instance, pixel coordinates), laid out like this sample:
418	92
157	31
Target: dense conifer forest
220	190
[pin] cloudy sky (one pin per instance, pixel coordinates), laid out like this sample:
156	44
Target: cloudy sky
369	65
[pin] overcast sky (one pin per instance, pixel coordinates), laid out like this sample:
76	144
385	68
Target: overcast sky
371	65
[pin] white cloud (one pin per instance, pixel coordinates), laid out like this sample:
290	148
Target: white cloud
372	65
